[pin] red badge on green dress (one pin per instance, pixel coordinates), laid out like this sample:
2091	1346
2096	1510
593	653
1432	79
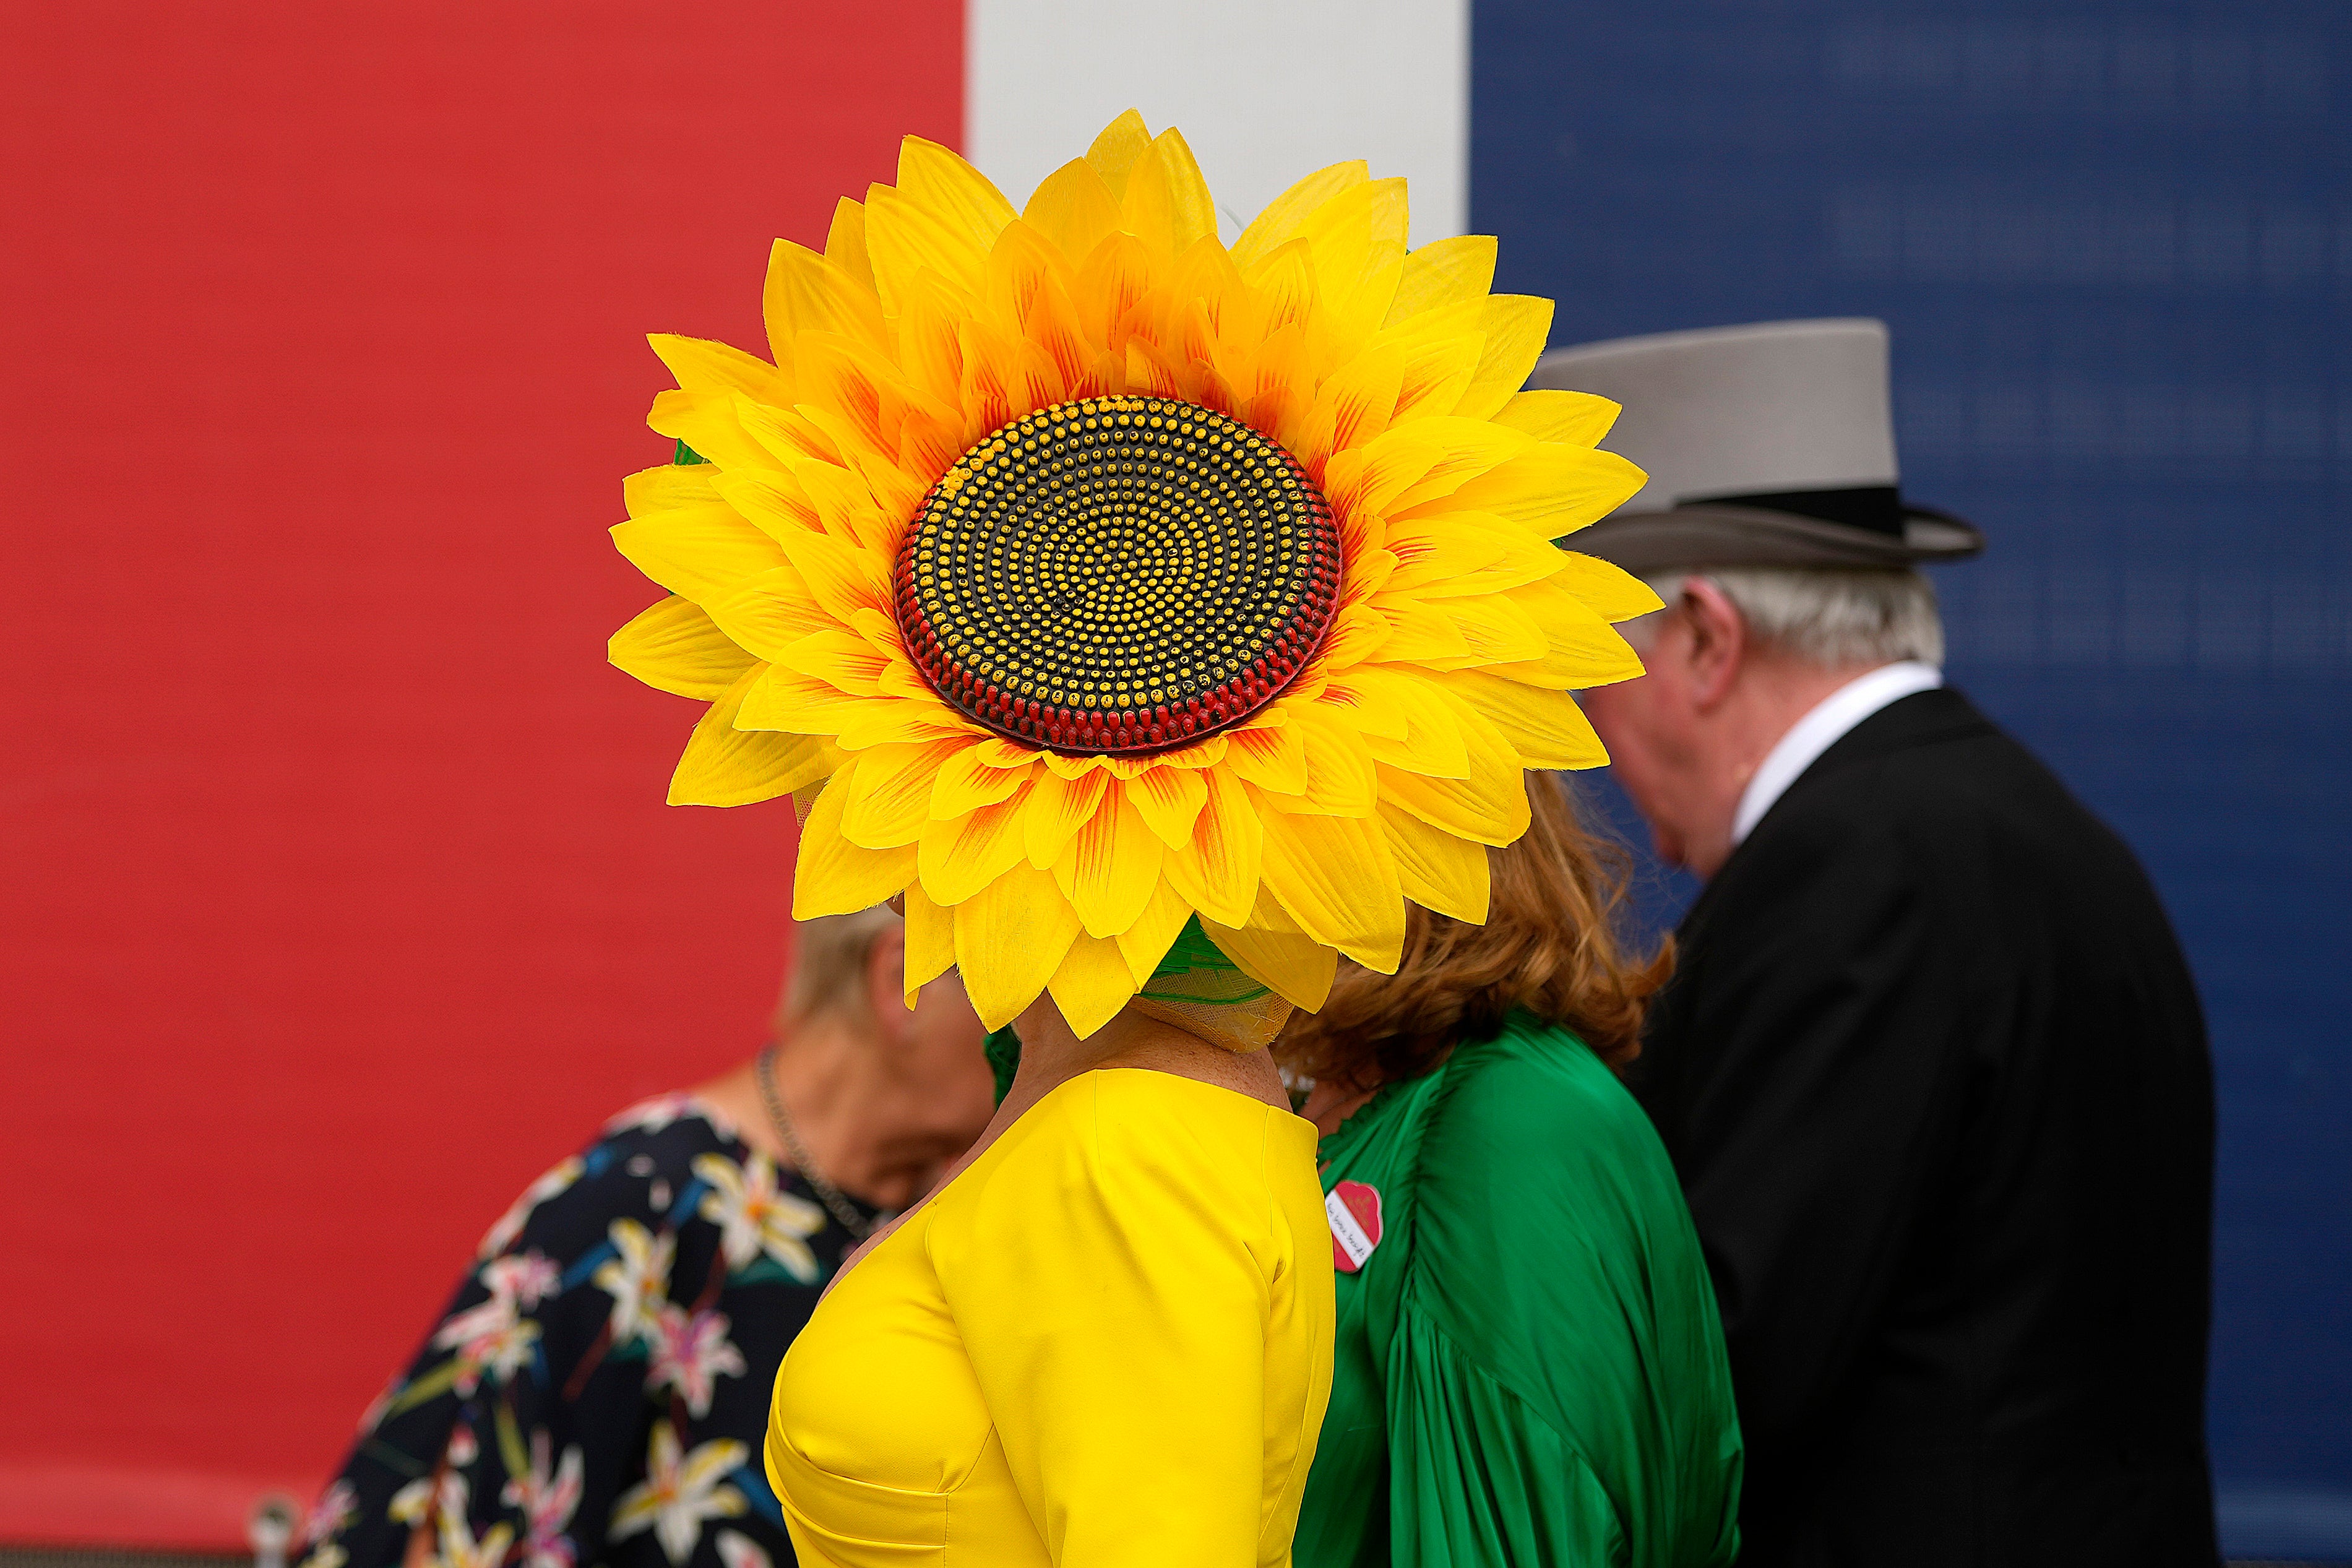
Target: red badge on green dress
1355	1213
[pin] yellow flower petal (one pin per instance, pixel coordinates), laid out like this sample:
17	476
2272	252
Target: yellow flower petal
1170	801
1432	743
773	502
1577	418
903	239
1092	984
840	578
1358	235
1010	937
931	940
1490	805
843	660
1218	874
785	698
1074	209
723	765
1147	942
1420	633
1354	406
1546	728
669	487
959	194
1292	964
1516	328
701	365
1273	759
995	751
1552	488
890	792
1433	552
1581	648
789	434
807	292
1437	377
1280	223
706	421
675	646
959	858
1334	876
1443	272
845	242
1338	770
1434	869
702	551
968	781
1166	204
1495	628
1114	151
1613	592
1110	867
1058	807
835	876
769	612
1470	448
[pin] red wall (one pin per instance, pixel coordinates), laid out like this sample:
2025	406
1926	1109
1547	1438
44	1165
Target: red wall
340	897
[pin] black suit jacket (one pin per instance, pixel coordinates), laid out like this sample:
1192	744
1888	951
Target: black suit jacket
1935	1077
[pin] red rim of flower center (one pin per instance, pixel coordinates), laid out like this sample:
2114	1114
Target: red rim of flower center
1117	575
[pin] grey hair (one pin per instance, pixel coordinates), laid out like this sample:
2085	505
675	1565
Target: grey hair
1831	618
829	955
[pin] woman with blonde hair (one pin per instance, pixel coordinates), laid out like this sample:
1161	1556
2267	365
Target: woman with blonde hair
1528	1365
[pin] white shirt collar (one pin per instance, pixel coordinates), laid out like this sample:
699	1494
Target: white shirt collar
1823	727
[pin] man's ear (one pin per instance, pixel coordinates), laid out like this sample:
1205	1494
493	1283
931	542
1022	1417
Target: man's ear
1719	641
886	980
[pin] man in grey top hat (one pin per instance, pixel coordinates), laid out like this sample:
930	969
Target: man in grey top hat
1932	1069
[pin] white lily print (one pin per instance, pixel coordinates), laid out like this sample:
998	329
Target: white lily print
411	1502
525	1279
336	1507
680	1492
489	1336
737	1550
509	1225
548	1502
461	1548
754	1216
326	1554
637	1279
454	1545
691	1352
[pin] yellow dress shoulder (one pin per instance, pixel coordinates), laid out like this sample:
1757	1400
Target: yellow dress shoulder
1105	1344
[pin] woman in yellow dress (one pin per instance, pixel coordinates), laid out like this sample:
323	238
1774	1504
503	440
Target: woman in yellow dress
1153	616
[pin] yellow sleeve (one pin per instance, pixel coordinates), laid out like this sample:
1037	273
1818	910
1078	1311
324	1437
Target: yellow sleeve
1113	1295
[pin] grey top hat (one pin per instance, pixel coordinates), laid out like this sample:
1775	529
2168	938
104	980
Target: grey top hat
1770	445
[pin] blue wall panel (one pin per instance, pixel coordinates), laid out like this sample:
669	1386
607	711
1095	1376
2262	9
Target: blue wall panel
2115	246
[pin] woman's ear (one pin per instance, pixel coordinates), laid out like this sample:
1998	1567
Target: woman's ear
885	983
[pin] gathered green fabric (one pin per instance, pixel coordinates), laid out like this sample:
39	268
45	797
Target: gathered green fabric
1529	1369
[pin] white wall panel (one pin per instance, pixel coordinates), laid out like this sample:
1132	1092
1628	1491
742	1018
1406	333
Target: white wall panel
1264	92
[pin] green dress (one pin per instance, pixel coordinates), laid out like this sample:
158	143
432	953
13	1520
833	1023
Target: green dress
1529	1367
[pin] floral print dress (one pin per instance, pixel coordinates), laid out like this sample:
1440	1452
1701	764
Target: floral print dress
597	1392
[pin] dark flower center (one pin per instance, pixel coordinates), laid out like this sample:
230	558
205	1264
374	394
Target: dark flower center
1117	575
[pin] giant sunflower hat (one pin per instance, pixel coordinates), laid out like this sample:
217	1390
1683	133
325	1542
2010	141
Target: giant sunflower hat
1084	576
